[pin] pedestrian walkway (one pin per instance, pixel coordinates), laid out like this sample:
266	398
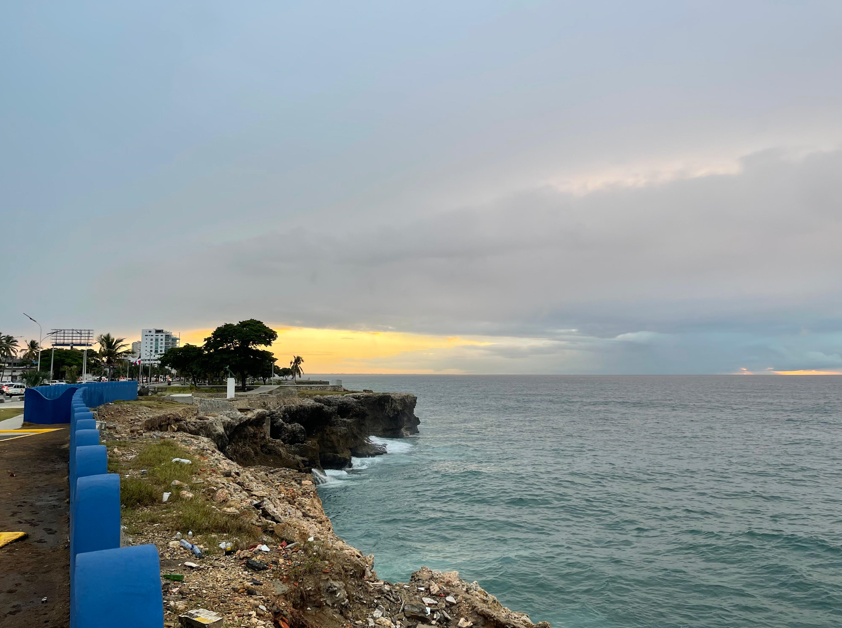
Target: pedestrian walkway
35	569
260	390
21	433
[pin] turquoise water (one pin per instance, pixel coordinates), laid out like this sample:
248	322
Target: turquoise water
613	501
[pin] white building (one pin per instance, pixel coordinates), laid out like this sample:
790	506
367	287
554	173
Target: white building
135	350
154	343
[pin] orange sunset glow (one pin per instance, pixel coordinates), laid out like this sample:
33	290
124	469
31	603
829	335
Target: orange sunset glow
345	351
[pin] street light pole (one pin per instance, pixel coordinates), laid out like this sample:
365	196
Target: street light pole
40	338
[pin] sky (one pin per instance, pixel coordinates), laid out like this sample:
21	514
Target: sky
649	187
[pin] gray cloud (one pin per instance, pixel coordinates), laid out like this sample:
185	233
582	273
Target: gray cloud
408	166
754	253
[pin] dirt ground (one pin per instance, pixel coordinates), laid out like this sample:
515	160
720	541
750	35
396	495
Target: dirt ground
34	501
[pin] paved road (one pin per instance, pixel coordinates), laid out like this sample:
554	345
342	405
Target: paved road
35	501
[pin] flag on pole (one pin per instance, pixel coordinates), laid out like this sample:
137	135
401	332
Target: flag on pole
136	362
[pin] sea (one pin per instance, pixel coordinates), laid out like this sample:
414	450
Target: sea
603	501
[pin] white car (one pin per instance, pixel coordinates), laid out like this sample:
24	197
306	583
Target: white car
13	389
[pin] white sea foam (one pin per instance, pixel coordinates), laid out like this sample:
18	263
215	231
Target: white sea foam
331	477
319	477
393	445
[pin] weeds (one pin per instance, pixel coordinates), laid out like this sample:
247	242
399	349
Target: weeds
142	495
135	492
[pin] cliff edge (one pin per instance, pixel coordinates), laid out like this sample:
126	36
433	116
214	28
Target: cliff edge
285	567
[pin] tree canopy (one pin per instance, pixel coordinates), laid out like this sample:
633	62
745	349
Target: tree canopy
188	361
236	347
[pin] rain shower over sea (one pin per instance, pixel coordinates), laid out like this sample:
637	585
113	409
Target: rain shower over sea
613	501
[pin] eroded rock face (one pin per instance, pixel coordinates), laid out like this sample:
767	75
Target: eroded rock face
340	426
324	432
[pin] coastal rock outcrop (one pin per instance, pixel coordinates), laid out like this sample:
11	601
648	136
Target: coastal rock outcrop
286	566
319	433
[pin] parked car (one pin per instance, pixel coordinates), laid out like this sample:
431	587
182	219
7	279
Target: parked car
14	389
56	382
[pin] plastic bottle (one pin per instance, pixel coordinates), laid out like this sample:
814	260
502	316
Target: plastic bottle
190	535
178	536
189	546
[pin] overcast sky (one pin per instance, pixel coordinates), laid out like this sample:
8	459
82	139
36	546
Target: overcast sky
506	187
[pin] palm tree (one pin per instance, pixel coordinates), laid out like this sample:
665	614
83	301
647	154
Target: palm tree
110	350
8	350
30	351
295	367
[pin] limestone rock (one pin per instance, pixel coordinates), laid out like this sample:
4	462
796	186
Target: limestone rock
451	577
221	496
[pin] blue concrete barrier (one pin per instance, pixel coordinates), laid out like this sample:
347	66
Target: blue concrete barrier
82	424
81	415
95	515
118	587
90	460
109	585
52	404
81	439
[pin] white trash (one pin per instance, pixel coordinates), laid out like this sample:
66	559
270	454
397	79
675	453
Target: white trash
182	460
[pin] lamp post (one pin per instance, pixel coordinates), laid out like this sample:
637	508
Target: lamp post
40	338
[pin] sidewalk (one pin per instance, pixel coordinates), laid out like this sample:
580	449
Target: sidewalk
35	501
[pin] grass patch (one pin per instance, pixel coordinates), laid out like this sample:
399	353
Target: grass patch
9	413
141	494
199	516
137	492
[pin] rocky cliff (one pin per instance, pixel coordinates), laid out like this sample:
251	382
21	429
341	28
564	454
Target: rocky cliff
288	568
319	433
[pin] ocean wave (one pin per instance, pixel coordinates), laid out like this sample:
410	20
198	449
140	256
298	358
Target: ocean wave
393	445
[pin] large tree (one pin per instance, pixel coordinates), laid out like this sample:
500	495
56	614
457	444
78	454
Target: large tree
236	347
188	361
62	359
110	350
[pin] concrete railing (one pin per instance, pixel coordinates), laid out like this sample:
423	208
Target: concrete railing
109	585
51	404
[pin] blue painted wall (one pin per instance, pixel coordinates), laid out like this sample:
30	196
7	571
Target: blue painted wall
46	405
